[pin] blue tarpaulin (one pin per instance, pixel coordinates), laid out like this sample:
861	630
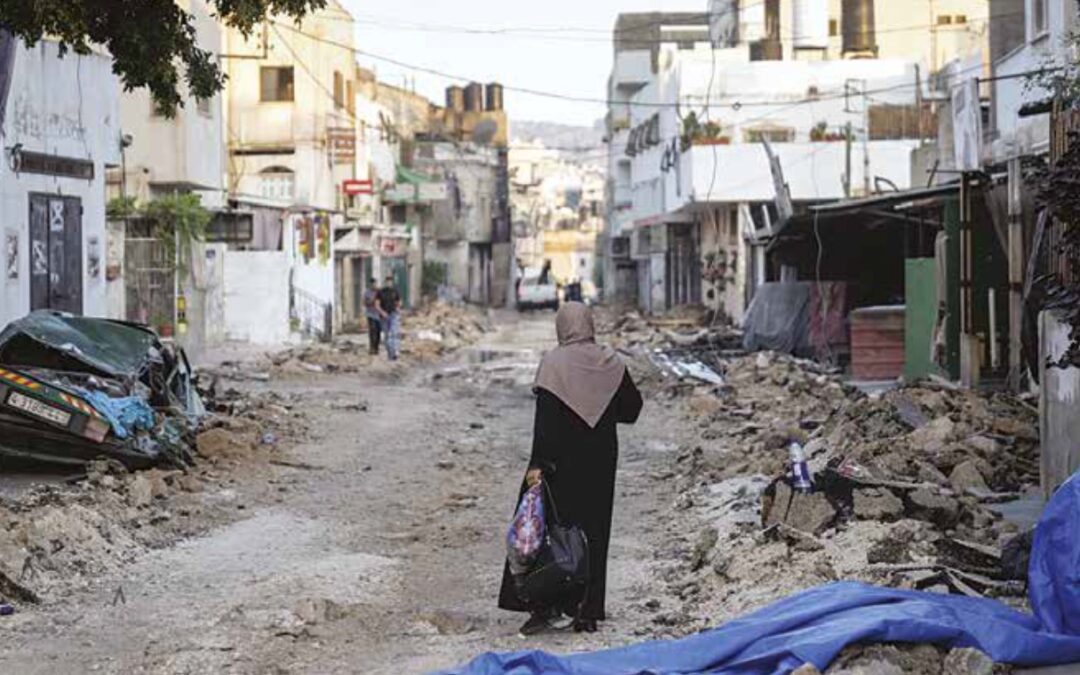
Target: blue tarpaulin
815	625
126	414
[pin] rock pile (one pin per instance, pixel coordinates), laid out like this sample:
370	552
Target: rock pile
906	485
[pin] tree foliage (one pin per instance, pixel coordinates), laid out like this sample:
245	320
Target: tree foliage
152	42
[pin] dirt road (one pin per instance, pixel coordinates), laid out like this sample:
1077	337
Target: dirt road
379	553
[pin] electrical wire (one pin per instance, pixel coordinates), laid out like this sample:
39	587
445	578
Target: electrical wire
838	95
578	33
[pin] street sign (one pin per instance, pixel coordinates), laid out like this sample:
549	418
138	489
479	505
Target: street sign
432	192
353	187
342	142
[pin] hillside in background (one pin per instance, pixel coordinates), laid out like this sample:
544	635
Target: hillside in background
585	144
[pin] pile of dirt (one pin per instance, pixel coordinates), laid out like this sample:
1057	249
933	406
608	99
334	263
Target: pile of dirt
58	538
427	334
905	485
445	326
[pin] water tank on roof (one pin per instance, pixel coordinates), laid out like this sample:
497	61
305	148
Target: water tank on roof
455	98
474	97
494	97
858	27
810	24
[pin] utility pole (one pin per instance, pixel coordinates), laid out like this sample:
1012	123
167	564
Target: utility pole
866	141
847	160
1016	271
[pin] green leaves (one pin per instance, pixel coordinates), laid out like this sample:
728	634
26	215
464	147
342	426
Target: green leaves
153	42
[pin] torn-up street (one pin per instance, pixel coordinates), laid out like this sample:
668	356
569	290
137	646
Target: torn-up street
733	337
344	514
362	536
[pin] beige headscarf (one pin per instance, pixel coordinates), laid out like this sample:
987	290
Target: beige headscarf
581	373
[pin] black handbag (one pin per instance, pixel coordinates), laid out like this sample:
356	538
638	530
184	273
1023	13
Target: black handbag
562	568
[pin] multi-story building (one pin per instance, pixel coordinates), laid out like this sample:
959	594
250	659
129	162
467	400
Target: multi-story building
59	132
291	138
831	86
165	155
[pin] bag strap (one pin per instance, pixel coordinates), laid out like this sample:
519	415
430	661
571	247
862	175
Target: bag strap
551	503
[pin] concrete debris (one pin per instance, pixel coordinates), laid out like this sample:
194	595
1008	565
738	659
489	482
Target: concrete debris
968	662
427	333
878	504
903	484
966	476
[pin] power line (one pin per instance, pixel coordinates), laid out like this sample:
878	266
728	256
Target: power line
574	34
568	97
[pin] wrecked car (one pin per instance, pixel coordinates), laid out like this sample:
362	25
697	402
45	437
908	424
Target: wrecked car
73	389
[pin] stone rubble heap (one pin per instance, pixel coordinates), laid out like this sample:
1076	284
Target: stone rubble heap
908	487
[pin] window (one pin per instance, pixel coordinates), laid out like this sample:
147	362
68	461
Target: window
350	98
232	228
276	83
339	91
1039	12
960	18
277	182
944	19
834	28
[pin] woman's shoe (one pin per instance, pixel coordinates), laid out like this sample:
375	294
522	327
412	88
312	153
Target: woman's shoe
538	623
585	626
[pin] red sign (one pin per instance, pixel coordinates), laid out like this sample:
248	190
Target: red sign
353	187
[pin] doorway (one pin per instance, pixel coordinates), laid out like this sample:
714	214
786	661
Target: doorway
56	253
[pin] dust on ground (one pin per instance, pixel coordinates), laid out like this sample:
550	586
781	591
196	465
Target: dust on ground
352	517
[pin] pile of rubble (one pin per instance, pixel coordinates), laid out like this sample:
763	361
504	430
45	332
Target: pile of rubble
59	537
908	486
426	334
672	354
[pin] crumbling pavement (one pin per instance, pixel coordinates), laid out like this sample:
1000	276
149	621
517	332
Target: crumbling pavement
908	484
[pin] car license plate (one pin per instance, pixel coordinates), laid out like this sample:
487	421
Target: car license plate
38	409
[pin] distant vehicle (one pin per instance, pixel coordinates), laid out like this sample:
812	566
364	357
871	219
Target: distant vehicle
534	295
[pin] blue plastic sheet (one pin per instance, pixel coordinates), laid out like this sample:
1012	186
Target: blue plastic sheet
125	414
1054	574
814	626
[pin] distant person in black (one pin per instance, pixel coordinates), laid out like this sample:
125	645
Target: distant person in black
389	304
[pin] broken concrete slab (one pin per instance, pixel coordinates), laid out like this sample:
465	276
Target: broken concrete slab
966	476
937	508
808	512
968	662
877	504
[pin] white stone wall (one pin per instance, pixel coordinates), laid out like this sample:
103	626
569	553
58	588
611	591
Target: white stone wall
66	107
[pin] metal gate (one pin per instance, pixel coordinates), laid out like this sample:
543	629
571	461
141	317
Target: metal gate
56	253
150	276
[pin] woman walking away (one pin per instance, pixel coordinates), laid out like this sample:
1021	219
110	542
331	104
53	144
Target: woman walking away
582	391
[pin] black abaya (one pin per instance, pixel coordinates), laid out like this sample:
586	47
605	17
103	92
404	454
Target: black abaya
579	467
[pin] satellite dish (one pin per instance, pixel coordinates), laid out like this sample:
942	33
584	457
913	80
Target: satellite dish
485	132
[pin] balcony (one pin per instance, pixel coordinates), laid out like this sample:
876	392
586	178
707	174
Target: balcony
633	69
813	171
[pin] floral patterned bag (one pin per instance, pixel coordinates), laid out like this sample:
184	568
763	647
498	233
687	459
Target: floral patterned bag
526	535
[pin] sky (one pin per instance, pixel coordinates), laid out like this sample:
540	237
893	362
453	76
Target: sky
560	46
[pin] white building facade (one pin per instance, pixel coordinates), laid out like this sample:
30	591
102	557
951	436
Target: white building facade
59	130
692	191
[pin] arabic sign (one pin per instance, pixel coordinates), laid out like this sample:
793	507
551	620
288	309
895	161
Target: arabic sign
354	187
342	143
